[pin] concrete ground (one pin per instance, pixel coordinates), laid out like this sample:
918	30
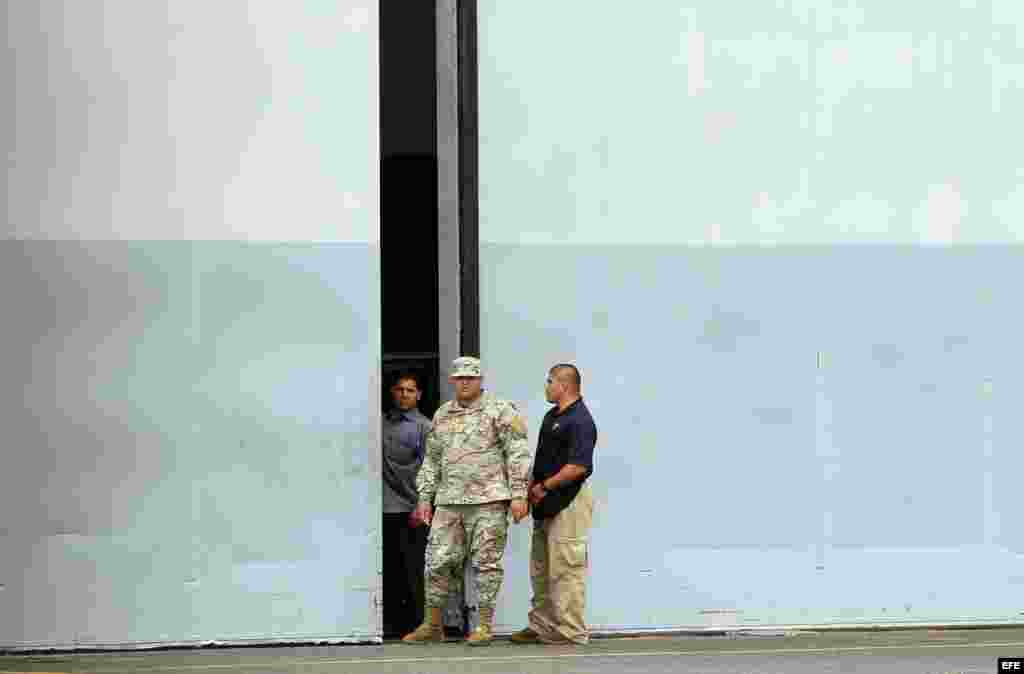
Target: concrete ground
902	651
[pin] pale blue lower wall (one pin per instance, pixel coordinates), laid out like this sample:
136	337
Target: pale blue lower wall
741	478
189	433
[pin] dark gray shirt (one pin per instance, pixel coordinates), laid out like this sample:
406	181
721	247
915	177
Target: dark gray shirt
405	436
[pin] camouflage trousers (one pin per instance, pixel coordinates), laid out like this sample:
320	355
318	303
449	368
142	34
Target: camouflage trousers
458	531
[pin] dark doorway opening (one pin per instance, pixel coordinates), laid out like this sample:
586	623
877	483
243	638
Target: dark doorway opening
408	184
409	253
428	199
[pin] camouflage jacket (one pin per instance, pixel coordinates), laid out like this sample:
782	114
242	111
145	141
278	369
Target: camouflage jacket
475	454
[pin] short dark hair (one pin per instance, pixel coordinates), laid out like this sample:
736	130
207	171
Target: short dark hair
576	379
408	374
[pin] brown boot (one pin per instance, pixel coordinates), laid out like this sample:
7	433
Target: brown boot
482	636
525	636
431	631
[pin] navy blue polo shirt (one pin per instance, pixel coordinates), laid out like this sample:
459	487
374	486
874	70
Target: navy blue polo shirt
565	437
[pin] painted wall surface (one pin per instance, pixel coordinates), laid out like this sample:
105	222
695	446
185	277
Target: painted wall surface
189	284
784	243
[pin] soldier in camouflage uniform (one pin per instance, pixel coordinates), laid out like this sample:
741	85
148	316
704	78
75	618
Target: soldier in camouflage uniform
475	471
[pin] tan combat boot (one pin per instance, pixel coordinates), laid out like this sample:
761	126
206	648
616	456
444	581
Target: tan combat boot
482	636
431	631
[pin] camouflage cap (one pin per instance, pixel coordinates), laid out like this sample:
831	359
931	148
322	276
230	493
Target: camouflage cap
466	366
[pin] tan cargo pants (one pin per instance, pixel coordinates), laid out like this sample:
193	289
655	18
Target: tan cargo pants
558	570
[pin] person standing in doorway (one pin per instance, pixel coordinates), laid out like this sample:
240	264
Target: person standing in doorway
405	537
475	472
562	507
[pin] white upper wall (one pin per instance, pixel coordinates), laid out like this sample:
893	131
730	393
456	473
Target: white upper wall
235	119
716	123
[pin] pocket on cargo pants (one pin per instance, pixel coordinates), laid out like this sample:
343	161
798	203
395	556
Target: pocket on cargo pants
567	589
570	556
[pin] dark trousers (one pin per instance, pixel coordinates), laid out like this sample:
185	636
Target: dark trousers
404	551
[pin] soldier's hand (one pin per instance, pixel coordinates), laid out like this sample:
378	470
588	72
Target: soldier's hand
424	513
519	509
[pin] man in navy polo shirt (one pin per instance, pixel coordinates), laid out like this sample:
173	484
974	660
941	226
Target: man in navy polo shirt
562	507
